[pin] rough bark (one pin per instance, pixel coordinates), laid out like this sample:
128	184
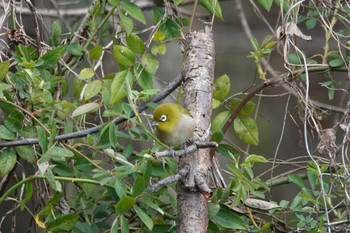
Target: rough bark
193	190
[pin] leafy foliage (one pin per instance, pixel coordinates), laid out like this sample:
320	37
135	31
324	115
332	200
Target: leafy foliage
100	180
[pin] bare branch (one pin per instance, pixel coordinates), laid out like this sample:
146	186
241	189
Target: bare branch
36	24
190	149
171	179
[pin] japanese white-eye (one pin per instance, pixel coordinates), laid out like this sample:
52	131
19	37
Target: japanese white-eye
174	124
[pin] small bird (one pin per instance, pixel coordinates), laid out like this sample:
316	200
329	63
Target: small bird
174	124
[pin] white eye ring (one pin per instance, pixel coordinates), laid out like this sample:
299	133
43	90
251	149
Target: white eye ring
163	118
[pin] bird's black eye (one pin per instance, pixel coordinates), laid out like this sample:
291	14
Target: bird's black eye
163	118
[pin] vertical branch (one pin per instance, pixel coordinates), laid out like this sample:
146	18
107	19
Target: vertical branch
36	25
198	72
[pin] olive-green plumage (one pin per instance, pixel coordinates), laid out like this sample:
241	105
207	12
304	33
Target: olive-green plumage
174	124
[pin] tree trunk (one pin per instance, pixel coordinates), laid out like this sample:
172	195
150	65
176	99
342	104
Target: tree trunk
193	190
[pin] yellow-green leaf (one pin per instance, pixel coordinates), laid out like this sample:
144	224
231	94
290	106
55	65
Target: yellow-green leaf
213	7
247	109
4	68
123	55
219	121
158	49
118	91
150	63
135	43
266	4
147	220
246	129
86	108
126	23
96	52
124	204
86	73
92	89
222	87
133	10
253	158
8	160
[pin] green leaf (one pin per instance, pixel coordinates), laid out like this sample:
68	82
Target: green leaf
145	80
28	194
6	133
52	57
58	154
168	30
124	204
144	217
135	43
294	59
43	140
85	228
210	5
92	89
216	103
120	187
312	180
13	124
219	121
26	153
336	62
75	49
213	209
126	23
24	52
222	87
228	219
86	108
284	3
139	186
111	135
123	55
86	73
150	63
296	180
149	202
4	86
255	159
56	32
10	109
101	211
4	68
118	91
158	49
113	2
8	160
96	52
124	225
247	109
246	129
63	223
133	10
311	23
266	4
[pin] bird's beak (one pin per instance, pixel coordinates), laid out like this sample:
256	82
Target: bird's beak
154	125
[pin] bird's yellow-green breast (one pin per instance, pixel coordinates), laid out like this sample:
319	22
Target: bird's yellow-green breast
174	124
